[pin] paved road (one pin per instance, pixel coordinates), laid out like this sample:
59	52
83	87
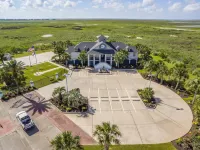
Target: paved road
114	98
40	58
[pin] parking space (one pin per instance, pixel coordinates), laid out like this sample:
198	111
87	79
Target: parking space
114	99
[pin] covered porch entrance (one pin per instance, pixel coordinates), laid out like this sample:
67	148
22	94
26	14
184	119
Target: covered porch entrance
94	59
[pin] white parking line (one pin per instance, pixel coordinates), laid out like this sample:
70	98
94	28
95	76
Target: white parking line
130	100
99	101
110	100
120	100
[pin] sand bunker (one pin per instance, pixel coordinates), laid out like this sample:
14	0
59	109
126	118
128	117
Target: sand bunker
47	35
173	36
139	38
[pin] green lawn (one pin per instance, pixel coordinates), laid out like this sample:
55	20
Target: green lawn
40	67
29	53
166	146
46	78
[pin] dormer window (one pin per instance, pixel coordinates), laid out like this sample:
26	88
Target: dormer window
117	48
127	48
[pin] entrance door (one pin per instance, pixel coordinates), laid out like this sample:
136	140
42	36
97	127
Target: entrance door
102	58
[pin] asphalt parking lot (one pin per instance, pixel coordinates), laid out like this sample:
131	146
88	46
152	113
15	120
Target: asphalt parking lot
113	98
48	120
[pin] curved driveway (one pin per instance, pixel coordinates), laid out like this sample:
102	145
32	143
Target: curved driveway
114	98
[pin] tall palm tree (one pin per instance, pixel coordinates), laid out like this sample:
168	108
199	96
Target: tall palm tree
194	86
180	73
58	93
107	134
15	69
82	57
65	57
59	48
120	57
162	70
65	141
150	66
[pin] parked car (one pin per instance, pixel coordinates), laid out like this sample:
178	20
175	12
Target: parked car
25	121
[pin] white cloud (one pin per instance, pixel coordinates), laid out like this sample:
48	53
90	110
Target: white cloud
136	5
148	6
114	5
70	3
192	7
97	1
5	4
147	2
175	7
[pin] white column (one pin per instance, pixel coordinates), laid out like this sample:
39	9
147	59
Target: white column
88	60
129	61
105	57
111	60
99	58
74	61
93	60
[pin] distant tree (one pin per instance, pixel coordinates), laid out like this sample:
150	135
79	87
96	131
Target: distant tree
120	56
82	57
65	141
180	73
107	134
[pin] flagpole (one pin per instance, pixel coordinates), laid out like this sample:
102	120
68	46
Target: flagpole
30	60
36	61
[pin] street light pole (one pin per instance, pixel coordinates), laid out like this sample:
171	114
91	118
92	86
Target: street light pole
66	75
150	75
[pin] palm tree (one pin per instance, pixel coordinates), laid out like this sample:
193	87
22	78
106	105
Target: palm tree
194	86
59	48
150	66
162	70
65	141
147	94
82	57
196	107
120	56
107	134
180	73
74	99
65	57
15	70
58	93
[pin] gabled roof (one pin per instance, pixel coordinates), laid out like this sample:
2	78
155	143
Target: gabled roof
82	45
101	51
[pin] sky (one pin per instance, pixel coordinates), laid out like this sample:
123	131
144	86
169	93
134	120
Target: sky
121	9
